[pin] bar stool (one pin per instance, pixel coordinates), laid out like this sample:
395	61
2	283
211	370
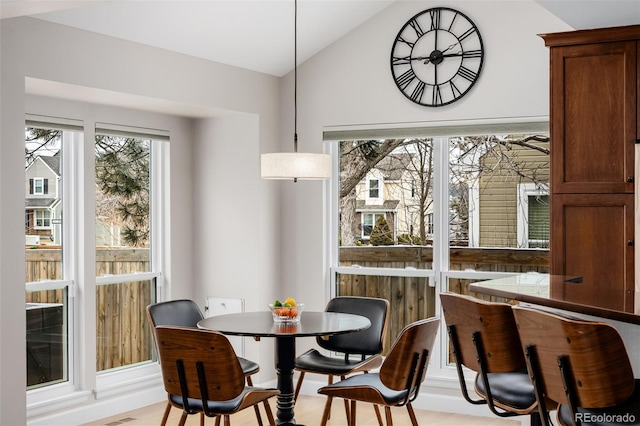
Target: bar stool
485	340
581	365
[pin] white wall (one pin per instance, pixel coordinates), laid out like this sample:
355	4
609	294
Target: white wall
67	60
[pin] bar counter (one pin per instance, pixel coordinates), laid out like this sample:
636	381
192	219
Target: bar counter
542	290
545	290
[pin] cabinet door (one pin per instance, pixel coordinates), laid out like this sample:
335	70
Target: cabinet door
593	117
592	237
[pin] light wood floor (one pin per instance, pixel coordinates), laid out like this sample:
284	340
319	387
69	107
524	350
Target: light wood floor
308	412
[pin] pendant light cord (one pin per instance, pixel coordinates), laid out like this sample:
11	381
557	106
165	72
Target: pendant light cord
295	76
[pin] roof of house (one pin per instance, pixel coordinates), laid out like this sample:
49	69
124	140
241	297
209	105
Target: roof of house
53	162
387	206
39	202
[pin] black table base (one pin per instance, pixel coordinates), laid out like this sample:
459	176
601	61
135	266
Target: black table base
285	362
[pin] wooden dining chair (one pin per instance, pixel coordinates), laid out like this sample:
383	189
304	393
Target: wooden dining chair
400	376
202	374
186	313
581	365
361	351
485	340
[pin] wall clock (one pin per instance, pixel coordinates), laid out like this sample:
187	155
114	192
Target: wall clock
437	57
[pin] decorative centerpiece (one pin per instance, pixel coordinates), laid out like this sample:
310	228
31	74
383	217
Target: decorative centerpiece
287	311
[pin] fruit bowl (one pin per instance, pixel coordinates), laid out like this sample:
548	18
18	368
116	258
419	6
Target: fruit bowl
285	313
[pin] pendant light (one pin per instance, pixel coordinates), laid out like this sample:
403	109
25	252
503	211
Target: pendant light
295	165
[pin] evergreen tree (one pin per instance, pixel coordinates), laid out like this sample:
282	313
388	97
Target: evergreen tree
122	173
381	233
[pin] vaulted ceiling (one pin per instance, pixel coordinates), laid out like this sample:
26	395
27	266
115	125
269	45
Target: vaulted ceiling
258	34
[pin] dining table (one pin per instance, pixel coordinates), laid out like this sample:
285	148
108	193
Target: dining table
261	324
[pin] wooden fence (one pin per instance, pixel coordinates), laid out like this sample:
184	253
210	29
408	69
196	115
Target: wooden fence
412	298
124	338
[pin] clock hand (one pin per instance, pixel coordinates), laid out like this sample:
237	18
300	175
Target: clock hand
451	46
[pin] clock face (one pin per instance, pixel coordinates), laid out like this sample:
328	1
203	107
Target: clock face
437	57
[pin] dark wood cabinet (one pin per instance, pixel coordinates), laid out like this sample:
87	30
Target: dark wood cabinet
592	237
594	87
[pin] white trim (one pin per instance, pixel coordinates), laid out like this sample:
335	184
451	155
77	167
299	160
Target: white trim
112	383
526	190
126	278
384	272
532	124
474	216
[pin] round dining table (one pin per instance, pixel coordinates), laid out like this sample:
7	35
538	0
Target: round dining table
261	324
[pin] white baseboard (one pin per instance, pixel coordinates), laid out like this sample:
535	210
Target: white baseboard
100	409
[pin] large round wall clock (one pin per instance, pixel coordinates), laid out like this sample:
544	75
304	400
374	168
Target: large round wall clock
437	57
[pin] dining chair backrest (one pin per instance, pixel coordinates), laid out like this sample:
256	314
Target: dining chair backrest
472	320
405	366
199	364
592	353
179	313
365	342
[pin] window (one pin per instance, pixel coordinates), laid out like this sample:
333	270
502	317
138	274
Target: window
533	216
374	190
368	222
455	213
39	186
124	218
48	276
127	170
43	218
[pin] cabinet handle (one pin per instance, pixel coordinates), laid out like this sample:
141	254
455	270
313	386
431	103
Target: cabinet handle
630	179
629	242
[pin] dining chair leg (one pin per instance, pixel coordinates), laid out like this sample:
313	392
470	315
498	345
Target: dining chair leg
165	416
227	421
346	403
255	407
258	416
183	418
378	415
298	386
387	411
218	420
327	405
325	413
412	414
201	419
267	409
352	422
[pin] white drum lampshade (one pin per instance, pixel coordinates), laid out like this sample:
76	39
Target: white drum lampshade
295	165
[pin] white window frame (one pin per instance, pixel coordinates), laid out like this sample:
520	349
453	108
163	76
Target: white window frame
53	397
35	186
362	224
441	373
370	188
84	382
526	190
